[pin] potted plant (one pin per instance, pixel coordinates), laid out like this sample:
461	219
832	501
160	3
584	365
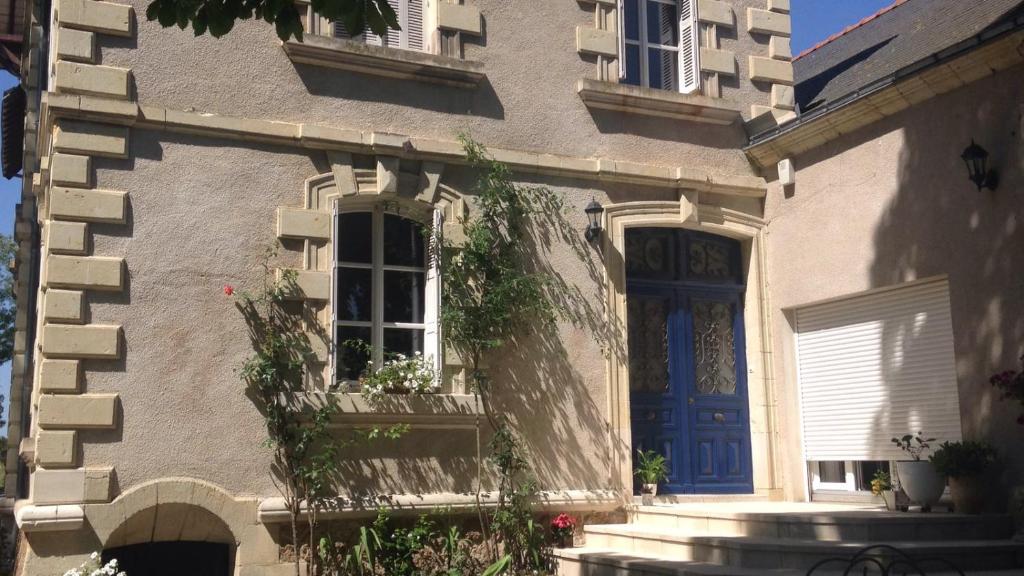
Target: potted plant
918	477
562	529
965	464
881	485
651	468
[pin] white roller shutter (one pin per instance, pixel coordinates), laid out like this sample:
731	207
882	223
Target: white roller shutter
876	366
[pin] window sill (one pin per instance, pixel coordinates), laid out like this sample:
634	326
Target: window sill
651	102
382	61
422	411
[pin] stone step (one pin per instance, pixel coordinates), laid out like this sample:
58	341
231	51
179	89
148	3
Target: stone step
603	562
792	553
820	523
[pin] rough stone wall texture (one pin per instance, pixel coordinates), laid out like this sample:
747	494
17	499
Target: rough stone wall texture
527	102
891	203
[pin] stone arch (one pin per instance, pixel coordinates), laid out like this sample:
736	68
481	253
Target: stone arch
173	509
689	213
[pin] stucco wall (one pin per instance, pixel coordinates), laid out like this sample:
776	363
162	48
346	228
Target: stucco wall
891	203
528	100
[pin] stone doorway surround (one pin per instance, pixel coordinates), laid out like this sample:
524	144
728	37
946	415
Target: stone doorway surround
691	214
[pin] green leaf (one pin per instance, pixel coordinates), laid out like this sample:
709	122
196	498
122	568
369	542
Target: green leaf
199	23
498	567
153	10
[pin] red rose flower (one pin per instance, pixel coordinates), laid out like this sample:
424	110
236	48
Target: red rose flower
229	290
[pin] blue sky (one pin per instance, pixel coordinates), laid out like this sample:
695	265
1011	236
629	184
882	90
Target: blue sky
813	21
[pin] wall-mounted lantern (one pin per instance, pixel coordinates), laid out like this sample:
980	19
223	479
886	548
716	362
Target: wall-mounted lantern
976	159
593	211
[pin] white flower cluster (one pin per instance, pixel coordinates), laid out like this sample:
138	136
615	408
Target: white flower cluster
92	568
401	375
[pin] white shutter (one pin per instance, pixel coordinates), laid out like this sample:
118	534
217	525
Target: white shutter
620	10
414	25
432	343
689	47
394	37
876	366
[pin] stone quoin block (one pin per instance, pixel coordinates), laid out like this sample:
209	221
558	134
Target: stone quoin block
64	306
66	411
765	22
783	97
104	17
98	484
716	12
718	61
66	237
88	205
85	272
69	170
86	341
310	285
779	48
768	70
459	17
78	45
79	78
590	40
58	486
56	448
59	376
91	139
779	6
303	224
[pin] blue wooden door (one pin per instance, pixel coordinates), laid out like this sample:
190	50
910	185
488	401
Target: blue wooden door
687	363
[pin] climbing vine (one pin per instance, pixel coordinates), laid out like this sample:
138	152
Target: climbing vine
489	297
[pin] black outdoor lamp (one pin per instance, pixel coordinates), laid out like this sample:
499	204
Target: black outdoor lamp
976	159
594	211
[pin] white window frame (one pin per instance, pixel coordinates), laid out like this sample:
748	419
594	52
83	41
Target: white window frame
643	43
849	483
432	278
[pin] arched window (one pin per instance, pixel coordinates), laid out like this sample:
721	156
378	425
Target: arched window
386	293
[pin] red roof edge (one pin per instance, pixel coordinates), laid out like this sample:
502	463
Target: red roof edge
849	29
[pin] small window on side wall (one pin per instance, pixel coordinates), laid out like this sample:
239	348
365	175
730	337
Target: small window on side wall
386	291
658	44
410	19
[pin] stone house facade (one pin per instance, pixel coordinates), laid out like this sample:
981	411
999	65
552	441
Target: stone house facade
743	230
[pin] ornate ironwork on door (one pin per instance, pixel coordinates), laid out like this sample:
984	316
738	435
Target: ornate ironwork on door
648	343
714	347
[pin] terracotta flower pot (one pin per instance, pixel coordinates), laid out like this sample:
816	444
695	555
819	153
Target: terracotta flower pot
921	482
968	494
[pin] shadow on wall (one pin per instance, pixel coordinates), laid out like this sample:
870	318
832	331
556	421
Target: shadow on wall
939	223
550	382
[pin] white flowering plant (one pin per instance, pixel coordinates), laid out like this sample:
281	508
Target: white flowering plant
92	567
400	375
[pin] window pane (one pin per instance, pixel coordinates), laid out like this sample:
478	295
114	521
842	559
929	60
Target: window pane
402	341
403	241
631	21
661	68
833	472
353	352
403	296
355	289
662	24
632	64
355	237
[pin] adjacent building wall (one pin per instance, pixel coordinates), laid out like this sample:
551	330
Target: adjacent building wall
891	203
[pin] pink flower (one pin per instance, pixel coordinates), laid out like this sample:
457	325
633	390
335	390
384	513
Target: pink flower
229	290
563	522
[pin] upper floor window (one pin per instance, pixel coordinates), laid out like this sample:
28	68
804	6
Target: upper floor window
386	293
410	37
659	44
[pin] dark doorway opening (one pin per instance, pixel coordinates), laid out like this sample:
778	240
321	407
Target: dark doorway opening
173	559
